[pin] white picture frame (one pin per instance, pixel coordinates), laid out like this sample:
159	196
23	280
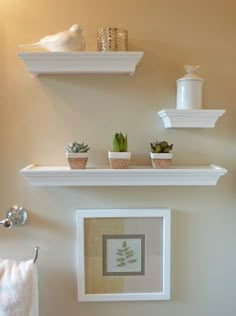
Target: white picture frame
89	243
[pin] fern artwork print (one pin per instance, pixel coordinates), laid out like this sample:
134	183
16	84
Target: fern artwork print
123	255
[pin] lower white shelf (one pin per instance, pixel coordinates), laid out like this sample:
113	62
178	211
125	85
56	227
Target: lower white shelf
136	176
190	118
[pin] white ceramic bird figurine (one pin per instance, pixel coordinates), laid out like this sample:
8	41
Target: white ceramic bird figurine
67	41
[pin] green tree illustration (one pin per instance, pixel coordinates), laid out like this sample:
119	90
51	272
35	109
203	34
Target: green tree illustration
124	255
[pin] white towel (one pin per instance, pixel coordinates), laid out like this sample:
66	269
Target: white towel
18	288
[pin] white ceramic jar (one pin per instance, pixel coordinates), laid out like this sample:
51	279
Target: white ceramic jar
189	90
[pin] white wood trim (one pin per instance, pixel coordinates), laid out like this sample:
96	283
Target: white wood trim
80	256
166	254
164	213
123	297
190	118
137	176
113	213
39	63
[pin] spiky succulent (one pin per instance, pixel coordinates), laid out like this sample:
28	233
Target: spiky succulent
120	143
77	147
161	147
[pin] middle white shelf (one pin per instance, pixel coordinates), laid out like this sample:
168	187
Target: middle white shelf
173	118
136	176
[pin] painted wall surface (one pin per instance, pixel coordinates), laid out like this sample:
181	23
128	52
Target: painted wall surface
40	115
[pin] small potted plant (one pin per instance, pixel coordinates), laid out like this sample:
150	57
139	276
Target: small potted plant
161	155
119	156
77	155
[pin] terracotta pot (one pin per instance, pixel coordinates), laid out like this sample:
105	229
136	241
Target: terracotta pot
161	160
77	160
119	160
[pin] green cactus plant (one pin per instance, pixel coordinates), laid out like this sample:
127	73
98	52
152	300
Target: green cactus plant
77	147
119	143
161	147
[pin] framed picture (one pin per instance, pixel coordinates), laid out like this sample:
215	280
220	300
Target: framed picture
123	254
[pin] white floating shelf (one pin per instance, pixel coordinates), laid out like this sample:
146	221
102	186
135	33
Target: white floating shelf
137	176
190	118
39	63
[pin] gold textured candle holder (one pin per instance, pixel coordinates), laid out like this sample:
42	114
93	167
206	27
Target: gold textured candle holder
112	39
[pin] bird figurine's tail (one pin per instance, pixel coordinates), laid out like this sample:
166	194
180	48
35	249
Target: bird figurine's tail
38	44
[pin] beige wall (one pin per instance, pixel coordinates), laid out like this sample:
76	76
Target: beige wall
40	115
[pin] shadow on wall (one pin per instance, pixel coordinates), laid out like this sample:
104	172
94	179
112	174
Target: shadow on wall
179	253
3	74
155	77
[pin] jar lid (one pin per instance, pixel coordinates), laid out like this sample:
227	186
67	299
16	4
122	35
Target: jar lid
190	73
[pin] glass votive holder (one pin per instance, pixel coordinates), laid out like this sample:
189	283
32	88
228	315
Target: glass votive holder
112	39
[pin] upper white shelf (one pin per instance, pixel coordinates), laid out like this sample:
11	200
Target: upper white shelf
190	118
137	176
39	63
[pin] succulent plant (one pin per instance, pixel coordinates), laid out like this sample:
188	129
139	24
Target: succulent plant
161	147
119	143
77	147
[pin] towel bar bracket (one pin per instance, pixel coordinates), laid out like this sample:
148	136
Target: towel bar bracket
36	254
16	215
